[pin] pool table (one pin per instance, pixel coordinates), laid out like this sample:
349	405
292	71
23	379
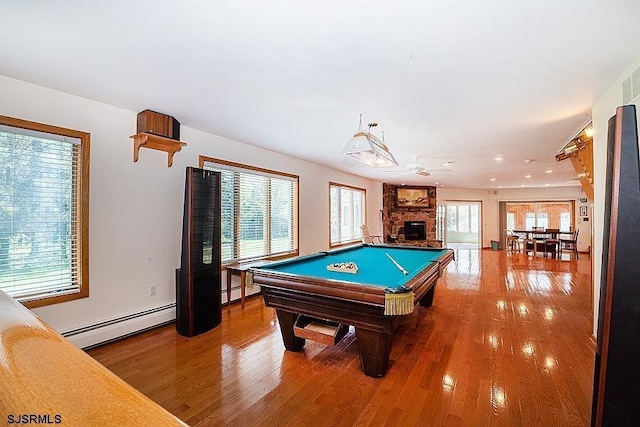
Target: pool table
303	286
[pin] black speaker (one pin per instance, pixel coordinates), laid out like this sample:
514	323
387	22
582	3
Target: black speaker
198	290
616	391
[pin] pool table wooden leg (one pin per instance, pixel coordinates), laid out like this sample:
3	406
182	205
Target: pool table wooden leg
374	348
287	320
427	299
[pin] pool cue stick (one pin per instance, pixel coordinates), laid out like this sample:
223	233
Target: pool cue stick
397	265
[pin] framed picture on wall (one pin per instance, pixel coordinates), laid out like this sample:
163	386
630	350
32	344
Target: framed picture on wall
583	211
414	197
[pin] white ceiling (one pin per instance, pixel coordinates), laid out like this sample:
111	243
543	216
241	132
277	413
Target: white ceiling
462	80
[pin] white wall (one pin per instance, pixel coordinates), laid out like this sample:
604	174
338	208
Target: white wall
490	199
602	110
136	208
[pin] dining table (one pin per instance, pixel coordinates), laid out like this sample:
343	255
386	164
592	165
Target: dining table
546	241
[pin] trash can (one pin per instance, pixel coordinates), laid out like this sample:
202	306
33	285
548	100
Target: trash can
495	245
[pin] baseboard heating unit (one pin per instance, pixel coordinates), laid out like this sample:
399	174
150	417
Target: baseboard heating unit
121	327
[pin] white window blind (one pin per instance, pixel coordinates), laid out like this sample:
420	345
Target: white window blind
347	213
39	214
259	211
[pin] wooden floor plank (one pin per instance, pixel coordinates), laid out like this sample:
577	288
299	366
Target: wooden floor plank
506	342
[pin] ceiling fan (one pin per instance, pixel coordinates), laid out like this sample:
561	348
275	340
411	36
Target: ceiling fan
417	168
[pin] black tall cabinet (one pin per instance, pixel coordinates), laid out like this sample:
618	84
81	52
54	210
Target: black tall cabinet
616	396
198	284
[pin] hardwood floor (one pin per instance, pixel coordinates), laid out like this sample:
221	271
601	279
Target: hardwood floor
506	342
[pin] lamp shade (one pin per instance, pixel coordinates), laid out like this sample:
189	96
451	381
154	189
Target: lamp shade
367	148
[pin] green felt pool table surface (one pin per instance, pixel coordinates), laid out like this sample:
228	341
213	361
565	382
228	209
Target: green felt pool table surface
374	266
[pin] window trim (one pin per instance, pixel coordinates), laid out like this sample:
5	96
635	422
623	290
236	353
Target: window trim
82	211
296	251
364	213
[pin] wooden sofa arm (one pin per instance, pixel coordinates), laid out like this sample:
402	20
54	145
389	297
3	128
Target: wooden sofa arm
43	375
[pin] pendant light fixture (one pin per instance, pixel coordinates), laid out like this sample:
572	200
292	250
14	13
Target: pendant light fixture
367	148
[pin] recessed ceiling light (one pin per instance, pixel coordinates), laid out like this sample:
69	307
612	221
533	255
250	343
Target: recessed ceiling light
499	186
549	171
447	163
436	183
492	179
547	185
528	160
528	175
498	158
522	185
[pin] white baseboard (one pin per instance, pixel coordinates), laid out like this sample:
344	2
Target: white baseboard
93	335
103	332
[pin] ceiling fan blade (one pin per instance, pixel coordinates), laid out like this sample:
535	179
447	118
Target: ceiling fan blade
400	174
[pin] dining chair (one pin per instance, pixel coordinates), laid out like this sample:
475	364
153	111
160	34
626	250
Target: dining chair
529	244
551	243
570	244
535	241
367	237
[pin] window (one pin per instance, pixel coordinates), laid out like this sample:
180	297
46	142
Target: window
530	220
44	212
259	211
463	218
565	221
452	218
475	218
511	221
347	213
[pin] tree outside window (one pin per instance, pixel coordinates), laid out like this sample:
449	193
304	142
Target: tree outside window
44	203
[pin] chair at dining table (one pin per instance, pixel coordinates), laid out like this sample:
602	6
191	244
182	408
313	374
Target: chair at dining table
570	244
533	240
552	243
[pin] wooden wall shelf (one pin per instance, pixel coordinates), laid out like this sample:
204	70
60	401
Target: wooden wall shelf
156	142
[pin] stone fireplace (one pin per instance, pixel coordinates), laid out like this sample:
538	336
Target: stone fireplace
397	218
